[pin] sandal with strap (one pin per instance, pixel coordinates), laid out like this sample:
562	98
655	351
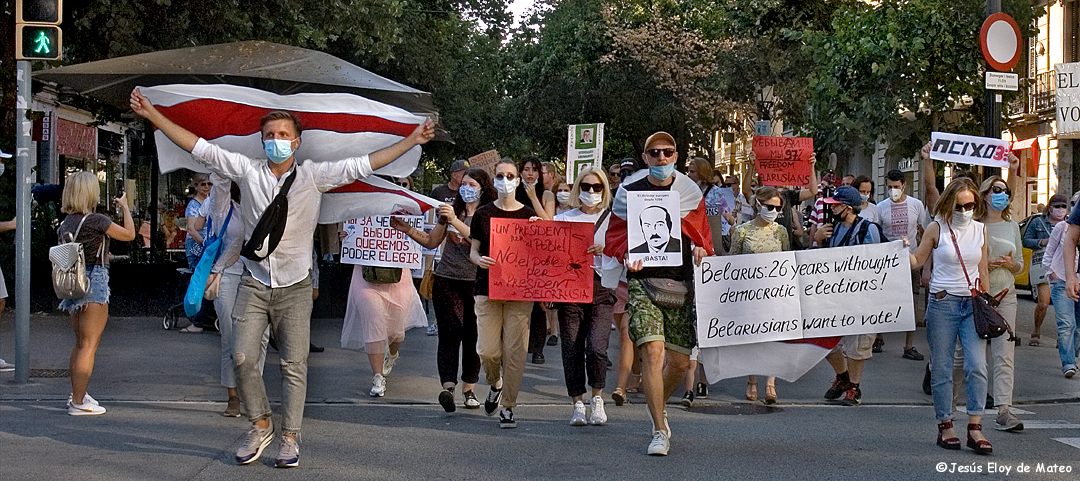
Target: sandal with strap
1034	342
770	394
634	383
949	443
618	396
751	391
981	446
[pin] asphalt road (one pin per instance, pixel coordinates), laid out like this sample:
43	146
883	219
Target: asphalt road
163	396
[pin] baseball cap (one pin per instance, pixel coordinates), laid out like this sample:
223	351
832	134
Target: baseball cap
658	137
4	155
459	165
845	194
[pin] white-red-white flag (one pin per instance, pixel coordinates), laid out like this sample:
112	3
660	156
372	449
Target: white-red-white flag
787	360
336	126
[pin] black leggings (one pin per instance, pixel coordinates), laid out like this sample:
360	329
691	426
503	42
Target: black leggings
456	316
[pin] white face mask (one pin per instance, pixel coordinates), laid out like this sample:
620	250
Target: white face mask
896	194
769	215
591	199
961	219
506	188
562	196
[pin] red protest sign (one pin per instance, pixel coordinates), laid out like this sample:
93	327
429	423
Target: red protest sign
783	160
543	261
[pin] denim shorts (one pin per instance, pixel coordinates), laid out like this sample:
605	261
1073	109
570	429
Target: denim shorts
99	290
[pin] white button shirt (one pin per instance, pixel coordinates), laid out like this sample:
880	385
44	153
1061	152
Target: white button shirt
291	261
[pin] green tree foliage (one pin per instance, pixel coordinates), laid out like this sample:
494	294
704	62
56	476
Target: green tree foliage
897	70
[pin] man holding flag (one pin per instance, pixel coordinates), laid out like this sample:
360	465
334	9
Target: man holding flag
276	287
663	336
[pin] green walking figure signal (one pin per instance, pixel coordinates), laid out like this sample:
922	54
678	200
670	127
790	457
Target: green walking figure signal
42	42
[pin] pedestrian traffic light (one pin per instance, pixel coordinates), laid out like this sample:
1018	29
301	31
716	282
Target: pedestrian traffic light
37	35
38	11
37	42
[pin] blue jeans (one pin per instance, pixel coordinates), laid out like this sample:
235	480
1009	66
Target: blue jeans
1065	311
947	319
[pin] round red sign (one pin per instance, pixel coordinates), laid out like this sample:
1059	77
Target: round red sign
1000	42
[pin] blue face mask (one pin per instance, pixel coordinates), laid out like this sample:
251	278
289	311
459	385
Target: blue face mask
469	193
278	150
999	201
662	172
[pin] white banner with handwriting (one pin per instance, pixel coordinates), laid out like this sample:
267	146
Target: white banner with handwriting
779	296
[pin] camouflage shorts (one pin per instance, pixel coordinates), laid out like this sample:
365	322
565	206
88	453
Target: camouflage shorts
676	328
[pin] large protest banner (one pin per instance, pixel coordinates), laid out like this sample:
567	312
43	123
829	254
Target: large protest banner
654	228
779	296
584	147
545	261
969	149
783	160
370	241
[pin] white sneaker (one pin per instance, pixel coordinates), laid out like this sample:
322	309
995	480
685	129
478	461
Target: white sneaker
667	425
660	444
598	416
6	366
85	409
378	386
87	398
578	419
388	363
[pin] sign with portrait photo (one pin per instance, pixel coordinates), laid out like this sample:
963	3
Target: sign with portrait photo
654	228
584	146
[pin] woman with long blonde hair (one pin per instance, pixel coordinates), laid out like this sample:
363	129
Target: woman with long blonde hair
90	312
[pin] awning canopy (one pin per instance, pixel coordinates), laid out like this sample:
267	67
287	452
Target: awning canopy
263	65
1033	160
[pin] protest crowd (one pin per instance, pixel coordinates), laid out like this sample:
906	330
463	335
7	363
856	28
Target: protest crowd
642	231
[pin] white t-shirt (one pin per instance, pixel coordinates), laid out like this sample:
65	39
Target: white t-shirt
902	219
870	213
576	215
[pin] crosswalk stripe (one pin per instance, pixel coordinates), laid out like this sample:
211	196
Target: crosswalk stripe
1074	442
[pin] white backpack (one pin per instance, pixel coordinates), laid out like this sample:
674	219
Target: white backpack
69	277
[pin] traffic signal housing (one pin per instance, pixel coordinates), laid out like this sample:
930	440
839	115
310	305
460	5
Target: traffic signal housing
37	30
37	42
39	11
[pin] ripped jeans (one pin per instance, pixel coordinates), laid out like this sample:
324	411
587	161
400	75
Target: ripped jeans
287	310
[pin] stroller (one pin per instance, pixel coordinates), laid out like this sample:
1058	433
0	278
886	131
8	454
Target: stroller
176	311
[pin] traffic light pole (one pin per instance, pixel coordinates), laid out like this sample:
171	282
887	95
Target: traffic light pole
23	144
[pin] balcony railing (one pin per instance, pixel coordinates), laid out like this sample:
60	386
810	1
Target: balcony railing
1036	96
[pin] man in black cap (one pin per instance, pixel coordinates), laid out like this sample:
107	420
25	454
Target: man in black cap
848	357
447	192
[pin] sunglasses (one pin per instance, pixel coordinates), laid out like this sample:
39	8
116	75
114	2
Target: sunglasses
997	190
965	207
205	184
655	153
771	207
1059	206
587	187
505	176
404	184
729	185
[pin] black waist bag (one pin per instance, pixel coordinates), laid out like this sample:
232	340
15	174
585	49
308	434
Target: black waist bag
267	233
